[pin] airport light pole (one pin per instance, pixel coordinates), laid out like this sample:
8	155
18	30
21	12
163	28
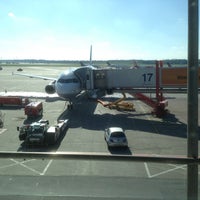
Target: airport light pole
192	117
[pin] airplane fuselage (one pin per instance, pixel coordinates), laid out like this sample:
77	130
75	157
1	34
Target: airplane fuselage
67	85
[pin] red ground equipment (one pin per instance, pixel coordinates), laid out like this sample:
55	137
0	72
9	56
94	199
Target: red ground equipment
159	105
13	101
34	109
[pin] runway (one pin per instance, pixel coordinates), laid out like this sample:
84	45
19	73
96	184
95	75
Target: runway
73	179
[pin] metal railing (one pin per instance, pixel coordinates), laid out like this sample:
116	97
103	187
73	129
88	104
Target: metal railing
101	157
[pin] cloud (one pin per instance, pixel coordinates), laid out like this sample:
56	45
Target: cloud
11	15
19	19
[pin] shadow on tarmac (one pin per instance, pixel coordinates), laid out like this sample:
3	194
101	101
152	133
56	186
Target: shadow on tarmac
120	150
83	116
43	148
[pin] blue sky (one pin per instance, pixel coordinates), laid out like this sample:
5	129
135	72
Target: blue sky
117	29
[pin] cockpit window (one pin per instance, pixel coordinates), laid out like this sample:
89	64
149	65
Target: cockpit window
71	80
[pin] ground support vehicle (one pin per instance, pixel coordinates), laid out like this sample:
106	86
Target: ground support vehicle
34	109
39	133
54	132
1	120
115	137
1	123
13	101
119	104
34	133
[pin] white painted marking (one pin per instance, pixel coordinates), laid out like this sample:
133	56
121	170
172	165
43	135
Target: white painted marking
46	168
25	166
166	171
2	130
147	170
184	167
13	164
175	167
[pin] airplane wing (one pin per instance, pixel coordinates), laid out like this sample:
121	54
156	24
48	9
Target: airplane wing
35	76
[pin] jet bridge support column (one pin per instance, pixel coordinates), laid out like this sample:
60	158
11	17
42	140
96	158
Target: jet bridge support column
160	103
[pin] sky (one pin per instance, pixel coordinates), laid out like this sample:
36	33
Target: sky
116	29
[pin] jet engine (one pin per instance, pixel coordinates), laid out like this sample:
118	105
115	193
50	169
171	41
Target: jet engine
50	88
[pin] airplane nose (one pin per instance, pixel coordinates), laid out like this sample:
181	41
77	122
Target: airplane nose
67	90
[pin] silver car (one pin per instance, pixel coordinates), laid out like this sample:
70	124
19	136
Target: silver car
115	137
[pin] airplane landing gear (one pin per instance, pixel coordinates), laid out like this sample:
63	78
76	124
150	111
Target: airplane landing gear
70	107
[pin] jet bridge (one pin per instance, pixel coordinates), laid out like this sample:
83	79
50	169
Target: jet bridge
111	79
132	79
135	79
108	79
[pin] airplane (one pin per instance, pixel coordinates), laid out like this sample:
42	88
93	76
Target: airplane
68	85
72	83
134	66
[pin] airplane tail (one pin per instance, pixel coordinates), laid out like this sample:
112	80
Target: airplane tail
90	63
108	63
168	64
135	65
91	55
82	64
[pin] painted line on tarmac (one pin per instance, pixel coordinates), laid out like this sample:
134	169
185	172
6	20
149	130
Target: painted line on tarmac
25	166
30	168
13	164
22	164
175	167
2	130
46	168
183	167
147	170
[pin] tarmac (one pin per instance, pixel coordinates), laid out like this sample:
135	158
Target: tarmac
75	179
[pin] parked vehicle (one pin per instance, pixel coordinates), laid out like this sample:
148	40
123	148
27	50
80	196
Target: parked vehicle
54	132
34	133
115	137
34	109
39	133
1	120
